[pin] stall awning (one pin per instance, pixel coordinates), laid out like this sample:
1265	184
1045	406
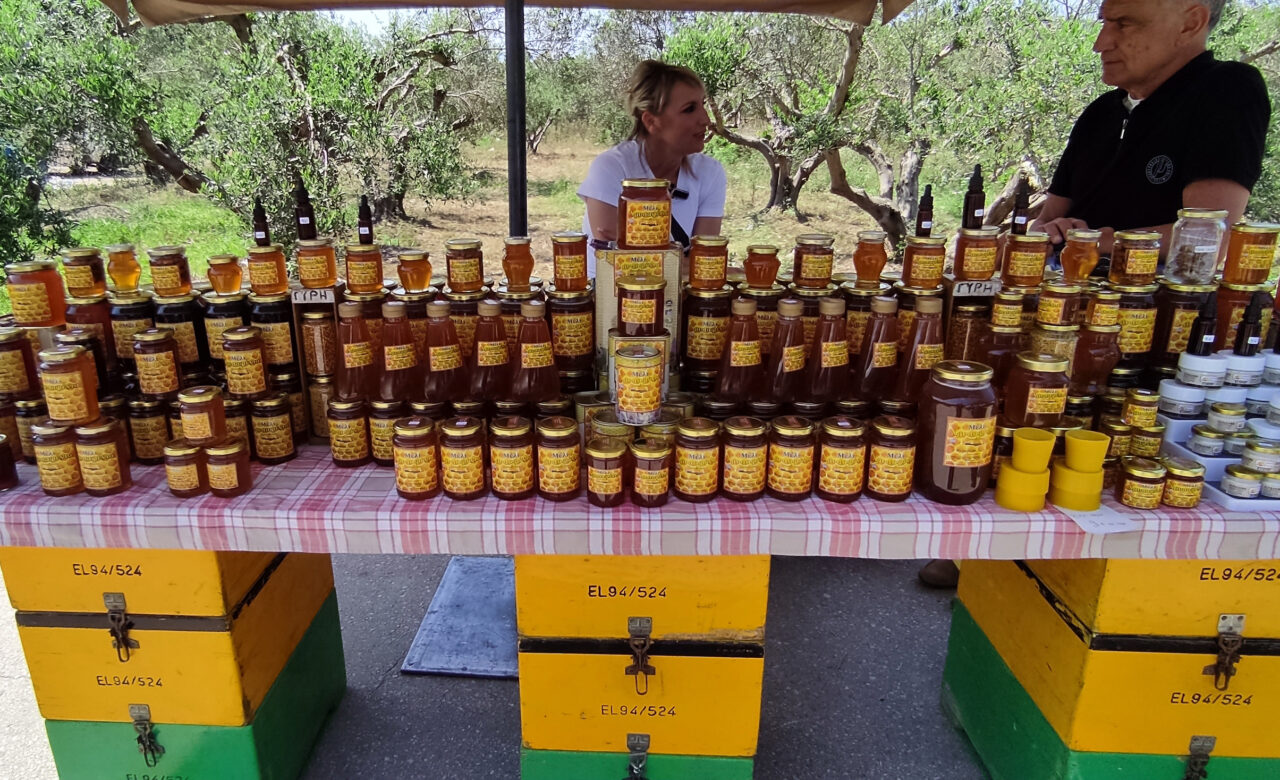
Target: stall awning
167	11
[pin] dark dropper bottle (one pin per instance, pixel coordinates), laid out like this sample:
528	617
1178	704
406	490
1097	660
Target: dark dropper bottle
261	231
924	213
304	213
364	222
1200	342
974	201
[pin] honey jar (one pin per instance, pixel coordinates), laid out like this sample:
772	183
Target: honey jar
70	385
317	263
170	271
18	379
204	418
185	469
349	433
791	446
511	456
644	214
462	458
814	256
746	456
268	274
225	274
417	470
651	472
697	460
84	273
156	353
1141	484
364	268
569	261
148	424
842	459
273	429
464	264
102	449
228	469
976	254
559	457
54	453
640	305
245	357
36	295
891	458
605	472
708	262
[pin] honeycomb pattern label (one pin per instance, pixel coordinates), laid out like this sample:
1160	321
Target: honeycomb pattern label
123	331
357	354
58	466
1050	310
697	471
182	477
166	279
1006	315
639	263
1106	313
708	268
1237	315
745	469
197	426
884	354
639	311
979	260
1119	446
705	337
263	273
245	372
1145	446
744	353
890	470
277	340
1181	493
381	435
766	324
855	328
537	355
65	396
512	468
465	326
1026	263
491	353
462	469
214	328
273	436
416	470
99	466
30	303
511	323
905	319
1141	495
572	334
842	470
398	357
558	469
223	476
813	266
648	223
1046	400
810	325
790	468
175	426
1137	330
969	442
149	435
605	482
1180	330
463	271
1257	256
313	268
79	277
570	266
13	372
366	273
835	354
651	482
793	358
1138	415
157	373
639	386
24	436
925	270
929	355
349	439
184	333
1144	261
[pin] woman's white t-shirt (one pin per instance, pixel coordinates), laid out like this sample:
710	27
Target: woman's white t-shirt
702	178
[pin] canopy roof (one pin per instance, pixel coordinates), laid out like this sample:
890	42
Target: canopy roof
167	11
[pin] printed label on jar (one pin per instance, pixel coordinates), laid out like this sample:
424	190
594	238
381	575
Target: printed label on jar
639	388
969	442
157	373
536	355
793	358
65	396
606	482
57	466
223	476
1183	494
511	324
835	354
416	469
13	372
1139	416
814	266
1006	315
1026	264
979	260
297	412
884	354
512	469
273	436
184	333
571	266
1050	310
1145	446
263	273
30	303
766	323
196	426
697	471
708	269
313	268
149	435
648	223
1257	256
79	277
491	353
1137	330
810	325
1046	400
744	353
706	337
123	330
366	273
1104	313
905	320
1180	330
245	374
1142	262
213	329
926	270
842	470
929	355
571	334
99	466
183	477
558	469
357	354
465	326
855	328
652	482
790	468
638	263
462	469
277	342
1141	495
398	357
445	358
166	278
639	311
745	469
891	469
463	271
381	432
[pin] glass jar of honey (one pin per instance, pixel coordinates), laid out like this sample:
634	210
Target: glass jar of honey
842	459
569	260
70	385
1194	244
1135	257
923	261
82	268
1177	306
891	458
761	266
517	263
464	264
1057	340
1024	259
644	214
317	263
53	447
1080	255
651	472
791	459
18	379
976	254
273	429
27	414
462	458
511	457
1036	392
148	423
123	267
559	459
129	314
814	256
1141	484
185	469
156	352
704	334
573	328
182	316
1137	320
957	423
709	262
605	459
288	383
268	274
746	456
349	433
225	274
94	313
364	268
1251	253
204	419
170	271
9	429
383	416
272	315
319	335
93	349
246	362
228	468
414	270
221	313
36	294
640	305
1058	304
417	467
102	450
1103	308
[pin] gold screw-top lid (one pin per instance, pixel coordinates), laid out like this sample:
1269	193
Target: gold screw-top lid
1138	394
153	334
650	448
1042	362
963	371
269	249
167	251
1142	467
1081	234
742	426
1256	227
645	183
882	304
413	255
271	402
516	241
533	309
567	237
386	406
791	425
35	405
1137	235
819	239
242	333
362	249
458	244
200	394
116	248
163	300
641	283
47	427
223	259
178	448
930	241
317	315
75	336
1264	446
982	232
461	427
1193	213
415	427
1031	237
929	306
392	310
27	266
489	308
232	447
831	307
8	334
510	427
762	249
744	307
314	243
61	354
843	426
349	309
790	307
1243	472
711	240
893	426
871	236
1228	410
438	309
558	427
698	428
87	300
602	447
1061	289
80	252
98	426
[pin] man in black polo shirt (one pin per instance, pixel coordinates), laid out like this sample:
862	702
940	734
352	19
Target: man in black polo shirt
1181	129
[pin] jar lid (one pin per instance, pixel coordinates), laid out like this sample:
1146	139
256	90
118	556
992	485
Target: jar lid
1115	428
1187	288
179	448
605	447
1135	288
553	408
80	252
436	309
30	406
1261	287
651	184
852	290
918	292
743	426
167	300
1076	400
313	243
98	426
466	297
1105	295
814	292
317	315
1256	227
1137	235
982	232
1013	295
386	406
283	297
1031	237
711	240
27	266
828	307
414	427
232	447
336	405
650	448
1242	472
116	248
1073	328
61	354
510	427
459	244
792	425
115	402
893	425
1142	467
1182	467
393	310
169	251
1245	435
223	259
47	427
218	300
973	308
242	333
1264	429
271	402
461	427
516	241
1042	362
1083	234
1061	289
1193	213
201	394
269	249
1264	446
698	428
87	300
1207	432
75	335
1228	409
567	237
870	236
1151	430
558	427
963	371
843	427
668	419
400	294
1176	391
926	241
1209	364
153	334
606	422
1142	396
883	304
369	297
571	295
746	307
1102	328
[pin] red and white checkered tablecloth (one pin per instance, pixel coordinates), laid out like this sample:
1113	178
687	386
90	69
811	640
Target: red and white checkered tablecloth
309	505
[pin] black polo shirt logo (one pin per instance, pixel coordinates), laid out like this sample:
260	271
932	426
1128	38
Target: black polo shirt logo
1160	169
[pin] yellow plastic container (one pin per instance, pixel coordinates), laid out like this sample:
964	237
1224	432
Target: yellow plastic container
1020	491
1075	490
1086	450
1032	449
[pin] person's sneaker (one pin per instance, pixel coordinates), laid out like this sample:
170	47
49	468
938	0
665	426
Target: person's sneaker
939	573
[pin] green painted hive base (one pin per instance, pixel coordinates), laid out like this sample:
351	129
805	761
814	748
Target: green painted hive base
571	765
275	746
1015	741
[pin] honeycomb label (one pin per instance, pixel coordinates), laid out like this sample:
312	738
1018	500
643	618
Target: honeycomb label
1046	400
263	273
357	354
793	358
1145	446
1180	330
1026	263
855	328
123	331
1141	495
1108	313
24	436
790	468
648	223
79	277
1182	494
196	426
572	334
512	469
214	328
462	469
157	373
766	324
810	325
744	353
1144	261
813	266
639	385
639	263
652	482
745	469
313	268
842	470
381	433
835	354
890	469
1119	446
1137	330
463	271
398	357
273	436
926	270
166	279
884	354
465	326
57	466
979	260
65	396
928	356
639	311
13	372
491	353
245	372
707	268
277	341
905	319
149	435
537	355
366	273
969	442
1139	416
604	482
182	477
416	470
1006	315
558	469
184	333
223	476
99	466
697	471
705	337
570	266
1050	310
349	439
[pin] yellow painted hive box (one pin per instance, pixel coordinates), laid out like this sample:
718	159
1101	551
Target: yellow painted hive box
1140	690
191	669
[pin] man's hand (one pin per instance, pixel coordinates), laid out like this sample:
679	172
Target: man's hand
1057	228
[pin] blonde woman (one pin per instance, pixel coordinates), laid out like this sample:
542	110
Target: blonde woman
670	129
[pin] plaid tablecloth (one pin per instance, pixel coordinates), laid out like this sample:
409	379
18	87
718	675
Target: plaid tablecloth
311	506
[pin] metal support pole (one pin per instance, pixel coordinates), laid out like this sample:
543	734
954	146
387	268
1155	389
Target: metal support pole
517	176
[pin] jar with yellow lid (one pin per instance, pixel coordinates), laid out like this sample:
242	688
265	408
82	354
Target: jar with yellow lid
383	416
814	255
571	315
36	294
1137	320
54	452
559	459
273	429
317	263
182	315
1227	417
102	449
349	433
791	459
1251	252
364	268
413	267
1194	244
1141	484
462	458
976	254
708	262
246	363
651	472
842	459
18	379
957	426
1242	482
761	266
1103	308
644	214
156	353
1261	455
464	264
1024	259
9	428
1035	394
1134	257
27	414
1147	440
1184	483
923	261
697	459
228	468
1058	304
511	456
84	273
605	472
224	274
70	384
170	271
1140	407
1057	340
891	458
416	462
569	260
204	420
746	457
1079	256
268	274
640	305
1205	441
1177	307
8	468
148	423
185	469
664	429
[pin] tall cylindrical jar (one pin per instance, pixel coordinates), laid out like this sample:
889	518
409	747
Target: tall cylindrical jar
957	424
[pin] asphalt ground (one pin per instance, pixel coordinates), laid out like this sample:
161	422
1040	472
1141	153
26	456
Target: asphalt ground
853	665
